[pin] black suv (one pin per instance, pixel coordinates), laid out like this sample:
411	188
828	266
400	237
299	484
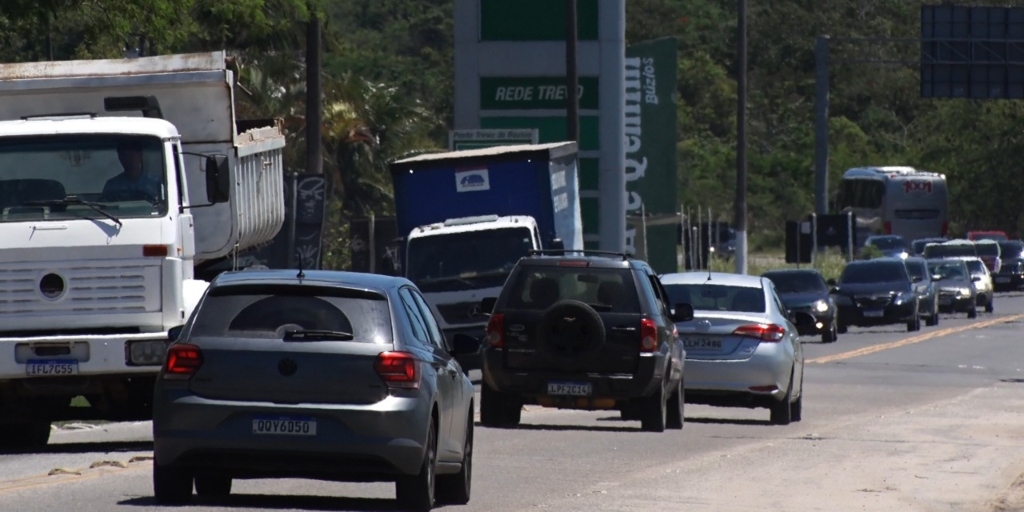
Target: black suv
583	330
876	292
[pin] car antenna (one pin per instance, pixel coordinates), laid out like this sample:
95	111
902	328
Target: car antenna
301	274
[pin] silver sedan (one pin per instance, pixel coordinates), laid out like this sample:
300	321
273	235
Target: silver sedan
326	375
742	348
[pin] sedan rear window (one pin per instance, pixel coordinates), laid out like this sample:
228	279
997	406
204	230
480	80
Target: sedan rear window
606	290
262	311
712	297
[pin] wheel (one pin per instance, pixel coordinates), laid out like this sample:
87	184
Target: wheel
989	306
24	436
498	409
654	412
830	335
455	489
417	492
782	411
914	325
972	311
676	417
796	408
171	485
841	328
213	486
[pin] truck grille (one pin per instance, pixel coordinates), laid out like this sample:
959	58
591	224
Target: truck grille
109	287
461	313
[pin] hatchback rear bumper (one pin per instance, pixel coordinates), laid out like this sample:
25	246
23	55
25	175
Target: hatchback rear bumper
352	443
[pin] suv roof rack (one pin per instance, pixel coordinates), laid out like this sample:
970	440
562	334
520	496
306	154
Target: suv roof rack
584	252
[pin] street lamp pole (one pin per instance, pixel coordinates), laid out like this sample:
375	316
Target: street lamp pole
741	139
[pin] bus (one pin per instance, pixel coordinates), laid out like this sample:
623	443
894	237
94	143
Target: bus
895	200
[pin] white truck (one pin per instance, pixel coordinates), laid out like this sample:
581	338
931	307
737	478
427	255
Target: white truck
118	179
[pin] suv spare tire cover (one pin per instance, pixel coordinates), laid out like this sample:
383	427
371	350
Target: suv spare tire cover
570	329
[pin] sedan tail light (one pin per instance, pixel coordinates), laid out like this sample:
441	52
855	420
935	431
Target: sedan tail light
770	333
398	370
183	360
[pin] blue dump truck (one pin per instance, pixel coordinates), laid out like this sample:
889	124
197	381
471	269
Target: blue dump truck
466	217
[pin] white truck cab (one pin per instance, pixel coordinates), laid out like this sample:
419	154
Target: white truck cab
104	216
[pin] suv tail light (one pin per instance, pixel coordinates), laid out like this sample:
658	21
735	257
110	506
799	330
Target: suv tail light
765	332
888	227
648	335
397	370
496	330
183	360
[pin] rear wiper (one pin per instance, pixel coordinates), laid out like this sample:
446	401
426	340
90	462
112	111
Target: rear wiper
317	334
98	207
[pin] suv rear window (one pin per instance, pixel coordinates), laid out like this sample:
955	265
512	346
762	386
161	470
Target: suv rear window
604	289
262	311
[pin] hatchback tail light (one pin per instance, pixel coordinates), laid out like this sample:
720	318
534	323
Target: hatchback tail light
183	360
648	335
770	333
397	370
496	330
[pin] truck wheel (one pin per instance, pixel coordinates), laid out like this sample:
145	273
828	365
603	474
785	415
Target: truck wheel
21	436
498	409
572	343
654	412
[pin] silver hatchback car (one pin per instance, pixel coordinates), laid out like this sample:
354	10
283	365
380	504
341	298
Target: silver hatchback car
326	375
742	347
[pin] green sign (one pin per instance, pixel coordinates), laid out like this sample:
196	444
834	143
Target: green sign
651	169
534	93
459	140
535	20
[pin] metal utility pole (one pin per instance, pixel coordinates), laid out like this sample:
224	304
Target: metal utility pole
741	139
821	125
314	88
572	114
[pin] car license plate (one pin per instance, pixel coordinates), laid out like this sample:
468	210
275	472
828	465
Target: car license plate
874	313
1002	279
702	343
51	367
570	388
284	426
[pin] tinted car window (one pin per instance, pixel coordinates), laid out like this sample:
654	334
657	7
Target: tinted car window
917	269
949	250
797	282
948	270
874	273
712	297
246	311
975	267
608	290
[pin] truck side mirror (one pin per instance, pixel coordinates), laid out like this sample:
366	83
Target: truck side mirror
218	185
557	244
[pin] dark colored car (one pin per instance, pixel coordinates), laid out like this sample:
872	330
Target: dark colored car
326	375
917	246
806	290
957	293
876	292
1010	275
889	245
1010	250
927	291
576	330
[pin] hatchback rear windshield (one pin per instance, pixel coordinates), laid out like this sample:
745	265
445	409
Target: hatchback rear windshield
605	289
262	311
797	282
713	297
874	273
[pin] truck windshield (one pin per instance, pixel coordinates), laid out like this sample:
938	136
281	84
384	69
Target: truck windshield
473	258
70	177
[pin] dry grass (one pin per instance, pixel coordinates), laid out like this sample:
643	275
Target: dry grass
830	263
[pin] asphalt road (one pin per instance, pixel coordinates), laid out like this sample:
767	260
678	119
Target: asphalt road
892	421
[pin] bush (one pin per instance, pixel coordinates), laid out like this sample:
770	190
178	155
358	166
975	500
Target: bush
830	263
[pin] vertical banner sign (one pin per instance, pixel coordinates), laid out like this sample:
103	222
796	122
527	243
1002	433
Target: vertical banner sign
650	129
